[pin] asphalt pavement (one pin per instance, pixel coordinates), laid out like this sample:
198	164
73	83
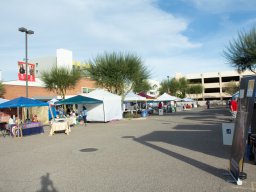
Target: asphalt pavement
177	152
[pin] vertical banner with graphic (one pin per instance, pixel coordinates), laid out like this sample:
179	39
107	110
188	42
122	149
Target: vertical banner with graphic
22	71
242	124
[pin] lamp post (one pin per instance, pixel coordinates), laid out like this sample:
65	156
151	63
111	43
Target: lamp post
27	32
168	84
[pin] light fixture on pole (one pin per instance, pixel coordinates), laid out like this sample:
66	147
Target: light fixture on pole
27	32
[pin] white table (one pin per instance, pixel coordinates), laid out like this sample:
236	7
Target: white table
60	125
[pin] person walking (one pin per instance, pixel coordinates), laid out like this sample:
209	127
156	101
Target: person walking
233	108
84	115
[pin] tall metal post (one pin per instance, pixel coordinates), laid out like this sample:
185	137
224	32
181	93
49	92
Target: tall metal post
26	54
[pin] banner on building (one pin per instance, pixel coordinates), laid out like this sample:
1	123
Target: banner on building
22	71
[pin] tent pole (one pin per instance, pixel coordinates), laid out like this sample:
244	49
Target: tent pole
104	112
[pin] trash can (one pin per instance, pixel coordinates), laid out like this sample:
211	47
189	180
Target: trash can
228	133
161	112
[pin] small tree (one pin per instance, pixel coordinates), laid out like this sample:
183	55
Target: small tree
176	87
231	88
60	79
241	53
2	89
195	89
142	86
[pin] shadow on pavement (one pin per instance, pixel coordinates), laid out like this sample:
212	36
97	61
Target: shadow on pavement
47	184
203	166
204	136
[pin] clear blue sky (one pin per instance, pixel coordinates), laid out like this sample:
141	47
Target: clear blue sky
184	36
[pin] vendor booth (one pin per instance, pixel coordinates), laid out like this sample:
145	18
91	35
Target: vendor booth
110	109
169	103
24	127
135	103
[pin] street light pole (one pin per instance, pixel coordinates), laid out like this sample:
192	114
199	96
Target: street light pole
27	32
168	84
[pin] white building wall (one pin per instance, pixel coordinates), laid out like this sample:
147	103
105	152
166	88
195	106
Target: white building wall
63	58
43	64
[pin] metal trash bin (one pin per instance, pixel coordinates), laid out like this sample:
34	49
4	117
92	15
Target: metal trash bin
228	133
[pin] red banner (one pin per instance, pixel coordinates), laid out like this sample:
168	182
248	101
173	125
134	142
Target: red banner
22	71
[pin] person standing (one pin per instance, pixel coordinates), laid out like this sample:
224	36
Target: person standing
233	108
208	104
84	114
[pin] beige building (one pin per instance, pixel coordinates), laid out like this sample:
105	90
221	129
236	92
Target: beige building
213	83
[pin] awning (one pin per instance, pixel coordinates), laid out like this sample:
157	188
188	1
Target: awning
79	99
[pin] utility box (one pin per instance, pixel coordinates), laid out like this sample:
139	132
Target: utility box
228	133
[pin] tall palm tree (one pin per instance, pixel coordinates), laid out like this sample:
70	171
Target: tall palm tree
241	53
118	72
60	80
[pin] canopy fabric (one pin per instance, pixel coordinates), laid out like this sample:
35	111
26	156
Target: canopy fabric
145	95
131	96
22	102
3	100
187	100
79	99
167	97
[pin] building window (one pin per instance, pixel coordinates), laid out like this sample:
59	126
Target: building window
194	81
86	90
228	79
211	80
212	90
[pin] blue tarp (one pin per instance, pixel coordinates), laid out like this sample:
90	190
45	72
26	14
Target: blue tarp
22	102
79	99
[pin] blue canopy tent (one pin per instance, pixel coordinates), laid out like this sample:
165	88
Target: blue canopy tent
22	102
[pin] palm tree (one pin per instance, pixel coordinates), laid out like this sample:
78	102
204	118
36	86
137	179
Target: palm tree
2	89
117	72
241	53
60	79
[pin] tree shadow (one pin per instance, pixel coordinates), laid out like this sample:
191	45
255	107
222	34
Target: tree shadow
47	184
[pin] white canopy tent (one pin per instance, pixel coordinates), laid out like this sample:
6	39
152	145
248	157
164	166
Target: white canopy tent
110	109
131	96
167	97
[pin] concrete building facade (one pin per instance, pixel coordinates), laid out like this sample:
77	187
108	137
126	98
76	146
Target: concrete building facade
214	83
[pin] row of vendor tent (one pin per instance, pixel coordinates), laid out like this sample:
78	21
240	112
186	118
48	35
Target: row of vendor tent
101	105
132	97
